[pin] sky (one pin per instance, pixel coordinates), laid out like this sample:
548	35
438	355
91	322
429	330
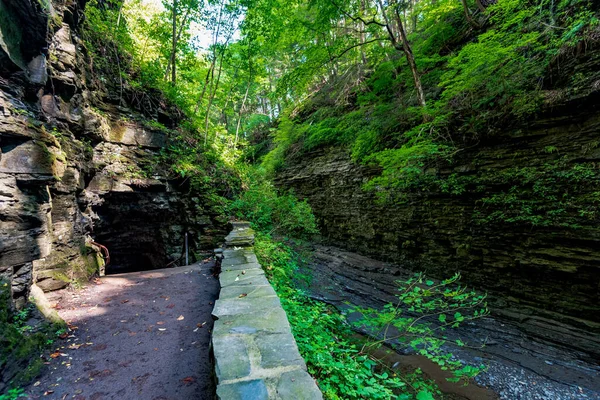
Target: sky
201	36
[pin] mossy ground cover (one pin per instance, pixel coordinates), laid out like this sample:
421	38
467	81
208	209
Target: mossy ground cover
21	346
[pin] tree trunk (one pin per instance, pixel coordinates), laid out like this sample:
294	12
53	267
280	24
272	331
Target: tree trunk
237	129
213	91
181	26
174	49
405	47
411	62
468	15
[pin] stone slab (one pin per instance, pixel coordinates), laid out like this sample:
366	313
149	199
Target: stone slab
298	385
231	357
236	278
269	321
239	259
245	291
241	267
256	355
278	350
248	390
244	305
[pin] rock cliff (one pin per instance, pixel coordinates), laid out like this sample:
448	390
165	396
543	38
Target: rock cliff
543	273
78	161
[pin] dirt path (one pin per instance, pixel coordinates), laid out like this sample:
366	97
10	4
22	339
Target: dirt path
142	335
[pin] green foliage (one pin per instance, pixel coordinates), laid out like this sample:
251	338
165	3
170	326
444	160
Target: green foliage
477	82
20	345
420	317
326	342
269	211
13	394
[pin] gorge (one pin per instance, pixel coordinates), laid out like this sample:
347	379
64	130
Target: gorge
364	142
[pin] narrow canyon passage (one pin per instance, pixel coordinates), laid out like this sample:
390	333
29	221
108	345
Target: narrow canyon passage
142	335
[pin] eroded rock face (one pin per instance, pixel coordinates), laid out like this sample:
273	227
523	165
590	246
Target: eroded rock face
533	273
76	169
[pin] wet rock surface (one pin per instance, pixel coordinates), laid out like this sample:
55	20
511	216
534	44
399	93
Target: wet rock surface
520	366
142	335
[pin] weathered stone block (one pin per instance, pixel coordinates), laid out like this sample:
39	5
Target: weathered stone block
231	357
278	350
30	157
251	277
268	321
134	134
298	385
248	390
240	237
234	292
244	305
240	267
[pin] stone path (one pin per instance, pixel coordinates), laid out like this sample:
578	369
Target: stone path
142	335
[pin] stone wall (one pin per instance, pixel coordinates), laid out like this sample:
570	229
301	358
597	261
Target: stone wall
256	356
548	273
78	164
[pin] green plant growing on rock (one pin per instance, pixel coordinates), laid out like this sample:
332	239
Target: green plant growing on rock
325	339
20	347
419	319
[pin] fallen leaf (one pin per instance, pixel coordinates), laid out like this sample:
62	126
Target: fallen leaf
201	325
74	346
180	318
171	306
125	301
156	349
47	392
56	354
63	335
160	323
37	383
189	380
243	295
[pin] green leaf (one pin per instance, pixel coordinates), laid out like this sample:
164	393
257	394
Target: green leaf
429	283
425	395
442	318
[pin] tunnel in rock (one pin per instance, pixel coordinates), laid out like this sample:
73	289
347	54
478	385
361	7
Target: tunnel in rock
140	229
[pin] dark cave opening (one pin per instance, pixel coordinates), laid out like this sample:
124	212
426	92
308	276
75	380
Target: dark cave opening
140	229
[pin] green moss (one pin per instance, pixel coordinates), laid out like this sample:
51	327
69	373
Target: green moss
117	132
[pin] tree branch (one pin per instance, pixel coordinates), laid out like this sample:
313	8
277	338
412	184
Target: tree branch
358	18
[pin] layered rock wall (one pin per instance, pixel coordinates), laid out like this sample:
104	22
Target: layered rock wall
78	164
547	275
